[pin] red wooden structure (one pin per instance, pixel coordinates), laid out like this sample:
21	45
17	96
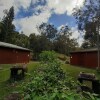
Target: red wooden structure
87	58
11	54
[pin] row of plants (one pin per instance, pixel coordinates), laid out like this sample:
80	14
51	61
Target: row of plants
50	82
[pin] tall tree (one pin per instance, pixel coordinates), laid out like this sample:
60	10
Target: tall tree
88	19
7	25
2	32
64	44
39	43
21	40
52	39
48	30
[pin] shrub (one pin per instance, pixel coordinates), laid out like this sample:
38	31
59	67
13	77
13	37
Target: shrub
49	82
48	56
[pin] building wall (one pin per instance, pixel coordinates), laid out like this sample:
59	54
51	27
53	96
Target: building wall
12	56
87	59
91	59
74	59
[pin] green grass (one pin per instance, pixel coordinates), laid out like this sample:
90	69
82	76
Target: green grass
75	70
5	71
32	66
7	87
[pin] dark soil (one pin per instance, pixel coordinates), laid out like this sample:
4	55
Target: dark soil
13	96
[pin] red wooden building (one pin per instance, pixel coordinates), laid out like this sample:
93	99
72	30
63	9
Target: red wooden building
11	54
87	58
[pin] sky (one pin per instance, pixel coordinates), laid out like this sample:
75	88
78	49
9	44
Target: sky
31	13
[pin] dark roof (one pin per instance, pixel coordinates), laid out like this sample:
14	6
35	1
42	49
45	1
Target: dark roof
8	45
85	50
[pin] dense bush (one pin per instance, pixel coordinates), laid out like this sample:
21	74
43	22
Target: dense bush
49	82
48	56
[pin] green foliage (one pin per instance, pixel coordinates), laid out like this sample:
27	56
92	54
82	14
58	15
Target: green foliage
22	40
88	19
48	56
8	33
49	82
63	43
7	27
39	43
47	30
49	39
7	88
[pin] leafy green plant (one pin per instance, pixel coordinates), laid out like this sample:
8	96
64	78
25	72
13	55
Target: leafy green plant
49	82
48	56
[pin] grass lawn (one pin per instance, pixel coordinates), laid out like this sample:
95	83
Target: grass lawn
8	87
75	70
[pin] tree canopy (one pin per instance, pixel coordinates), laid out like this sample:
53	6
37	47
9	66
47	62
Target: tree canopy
6	26
88	19
49	38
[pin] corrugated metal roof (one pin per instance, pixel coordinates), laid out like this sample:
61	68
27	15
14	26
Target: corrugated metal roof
8	45
85	50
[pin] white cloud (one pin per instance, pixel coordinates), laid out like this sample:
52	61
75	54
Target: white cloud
21	3
63	6
28	24
24	3
77	35
4	4
60	27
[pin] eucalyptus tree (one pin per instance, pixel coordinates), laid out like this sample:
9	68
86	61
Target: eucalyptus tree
48	30
63	43
88	19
